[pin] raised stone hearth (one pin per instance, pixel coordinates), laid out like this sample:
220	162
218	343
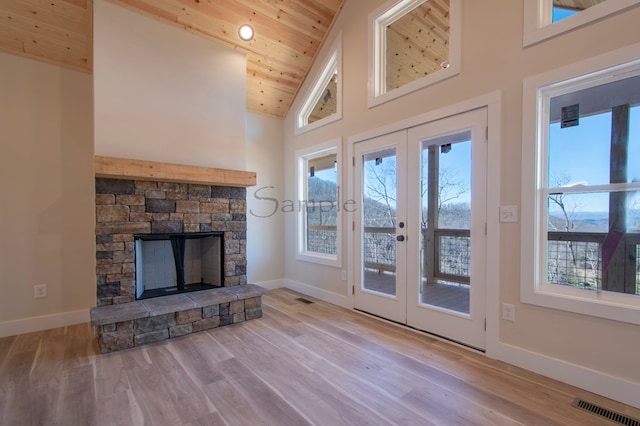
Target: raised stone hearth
128	325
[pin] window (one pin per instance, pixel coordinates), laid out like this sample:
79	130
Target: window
545	19
581	197
323	103
319	204
413	44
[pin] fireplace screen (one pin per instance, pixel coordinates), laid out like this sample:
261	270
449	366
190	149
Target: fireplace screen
177	263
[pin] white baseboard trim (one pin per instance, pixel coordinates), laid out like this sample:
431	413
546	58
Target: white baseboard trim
593	381
318	293
45	322
272	284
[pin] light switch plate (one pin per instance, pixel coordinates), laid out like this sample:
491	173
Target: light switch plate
508	312
508	214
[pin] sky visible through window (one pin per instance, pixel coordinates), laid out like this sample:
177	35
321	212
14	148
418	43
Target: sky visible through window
327	174
455	166
322	185
560	13
580	155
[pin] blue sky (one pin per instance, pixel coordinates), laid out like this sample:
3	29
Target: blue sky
458	163
580	155
328	174
559	14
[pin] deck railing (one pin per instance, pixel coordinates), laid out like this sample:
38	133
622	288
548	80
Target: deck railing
379	246
322	239
452	255
379	243
574	258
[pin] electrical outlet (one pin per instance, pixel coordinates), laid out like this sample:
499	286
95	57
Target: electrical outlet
40	291
508	312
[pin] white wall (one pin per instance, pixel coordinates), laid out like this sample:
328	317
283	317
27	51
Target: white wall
265	221
163	94
47	208
590	352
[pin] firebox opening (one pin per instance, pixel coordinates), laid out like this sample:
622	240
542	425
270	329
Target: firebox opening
178	263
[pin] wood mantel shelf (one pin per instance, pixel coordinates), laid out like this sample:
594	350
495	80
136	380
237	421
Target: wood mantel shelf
123	168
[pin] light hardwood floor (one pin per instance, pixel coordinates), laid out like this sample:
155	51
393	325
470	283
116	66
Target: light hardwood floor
299	364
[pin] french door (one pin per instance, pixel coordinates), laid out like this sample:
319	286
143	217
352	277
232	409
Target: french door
420	232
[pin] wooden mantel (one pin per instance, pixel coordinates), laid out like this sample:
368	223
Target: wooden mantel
123	168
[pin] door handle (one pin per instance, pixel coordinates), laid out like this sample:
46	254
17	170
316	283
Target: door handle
400	238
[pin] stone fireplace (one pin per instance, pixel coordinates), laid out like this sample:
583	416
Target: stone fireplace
130	212
171	244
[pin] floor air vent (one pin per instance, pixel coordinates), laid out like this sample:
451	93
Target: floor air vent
605	412
303	300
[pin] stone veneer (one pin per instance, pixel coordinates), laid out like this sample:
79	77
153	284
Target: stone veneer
128	325
128	207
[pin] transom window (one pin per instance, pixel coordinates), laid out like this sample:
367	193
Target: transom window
413	44
323	104
561	9
587	201
545	19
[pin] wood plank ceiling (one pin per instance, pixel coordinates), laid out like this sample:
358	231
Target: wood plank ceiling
417	43
288	35
57	31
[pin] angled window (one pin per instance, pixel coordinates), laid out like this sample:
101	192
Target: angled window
545	19
323	104
583	191
318	219
413	44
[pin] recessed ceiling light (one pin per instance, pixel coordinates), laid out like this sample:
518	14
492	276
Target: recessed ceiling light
245	32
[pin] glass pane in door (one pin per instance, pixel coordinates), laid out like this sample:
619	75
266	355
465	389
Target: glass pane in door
379	221
446	222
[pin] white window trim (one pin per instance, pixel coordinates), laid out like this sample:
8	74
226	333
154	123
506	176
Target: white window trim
378	21
536	94
538	25
331	65
301	158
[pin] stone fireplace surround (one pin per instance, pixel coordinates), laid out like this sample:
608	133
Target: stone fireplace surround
128	207
143	203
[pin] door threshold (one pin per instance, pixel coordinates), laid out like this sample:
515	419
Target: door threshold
424	332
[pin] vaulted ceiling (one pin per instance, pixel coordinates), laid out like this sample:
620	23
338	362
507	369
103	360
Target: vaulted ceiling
288	35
